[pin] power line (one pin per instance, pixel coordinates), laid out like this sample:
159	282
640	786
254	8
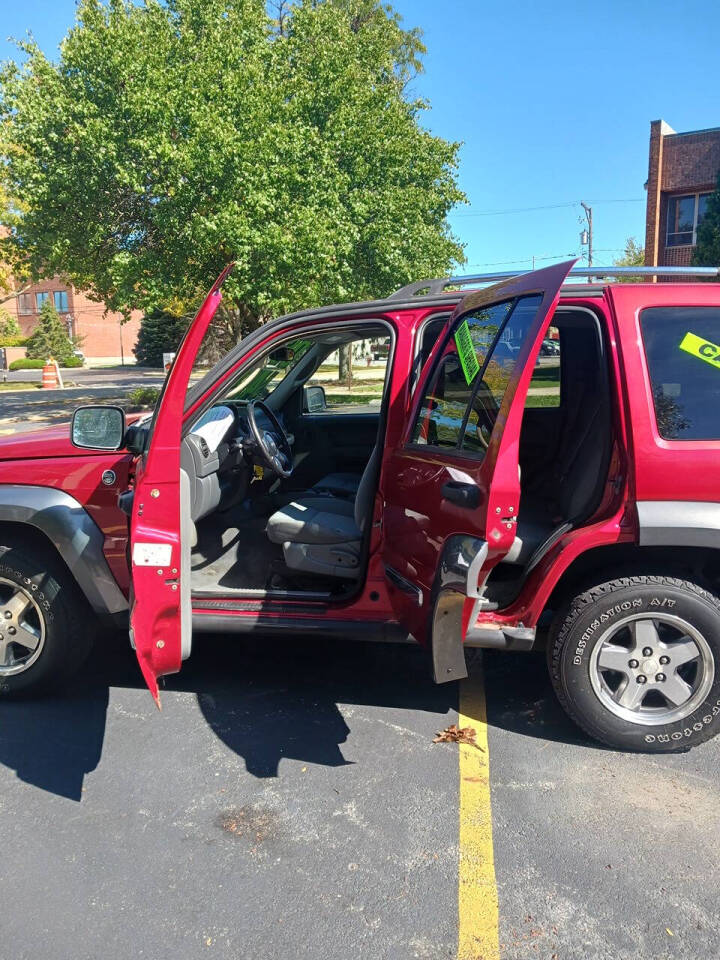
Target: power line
551	206
503	263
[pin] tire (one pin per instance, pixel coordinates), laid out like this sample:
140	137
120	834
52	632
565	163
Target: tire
635	662
52	612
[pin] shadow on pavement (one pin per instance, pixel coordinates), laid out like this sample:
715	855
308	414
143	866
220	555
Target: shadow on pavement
266	700
521	700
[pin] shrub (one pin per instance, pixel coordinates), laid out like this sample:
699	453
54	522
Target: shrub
50	338
160	333
12	341
35	363
25	364
143	397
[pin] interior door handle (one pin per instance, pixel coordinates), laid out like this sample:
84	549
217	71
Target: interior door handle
463	494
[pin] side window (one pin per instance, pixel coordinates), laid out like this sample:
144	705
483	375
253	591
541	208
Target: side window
443	408
490	388
351	379
449	393
544	390
682	346
463	398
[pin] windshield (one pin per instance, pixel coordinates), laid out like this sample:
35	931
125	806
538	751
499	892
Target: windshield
263	376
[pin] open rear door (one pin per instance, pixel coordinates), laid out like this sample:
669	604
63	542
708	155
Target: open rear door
452	489
161	611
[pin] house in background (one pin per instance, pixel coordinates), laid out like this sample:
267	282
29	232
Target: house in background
103	335
682	173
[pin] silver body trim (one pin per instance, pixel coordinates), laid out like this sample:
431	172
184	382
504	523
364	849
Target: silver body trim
679	523
73	533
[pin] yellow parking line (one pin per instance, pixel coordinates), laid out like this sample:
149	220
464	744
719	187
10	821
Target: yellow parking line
477	889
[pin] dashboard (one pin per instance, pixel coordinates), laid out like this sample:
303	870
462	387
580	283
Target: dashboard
216	455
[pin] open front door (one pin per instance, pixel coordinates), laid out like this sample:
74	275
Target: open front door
452	489
161	612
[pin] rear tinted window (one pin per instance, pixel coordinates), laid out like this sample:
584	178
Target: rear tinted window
682	345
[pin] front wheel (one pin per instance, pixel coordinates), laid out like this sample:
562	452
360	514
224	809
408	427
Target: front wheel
636	663
42	641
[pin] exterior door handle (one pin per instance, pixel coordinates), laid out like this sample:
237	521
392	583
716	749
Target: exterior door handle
463	494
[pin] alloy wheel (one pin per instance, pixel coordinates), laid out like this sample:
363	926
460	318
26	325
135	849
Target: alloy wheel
22	628
652	668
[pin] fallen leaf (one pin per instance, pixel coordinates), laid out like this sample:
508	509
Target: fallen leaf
453	734
669	932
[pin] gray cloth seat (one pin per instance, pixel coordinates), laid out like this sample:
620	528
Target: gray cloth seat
314	520
323	534
573	485
339	485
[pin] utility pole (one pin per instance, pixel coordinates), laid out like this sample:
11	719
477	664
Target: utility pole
588	214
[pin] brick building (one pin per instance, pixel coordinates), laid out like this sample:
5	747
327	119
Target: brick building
682	172
102	334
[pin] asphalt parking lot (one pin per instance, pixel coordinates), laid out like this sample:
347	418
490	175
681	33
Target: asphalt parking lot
289	801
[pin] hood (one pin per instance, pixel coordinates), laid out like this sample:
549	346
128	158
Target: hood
45	442
48	442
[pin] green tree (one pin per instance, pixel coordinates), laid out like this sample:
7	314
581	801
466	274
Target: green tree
707	251
9	327
160	332
174	136
634	256
50	338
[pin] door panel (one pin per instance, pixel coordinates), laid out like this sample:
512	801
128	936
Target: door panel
453	488
160	616
332	442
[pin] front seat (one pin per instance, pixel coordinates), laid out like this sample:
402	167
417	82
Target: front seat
323	534
338	485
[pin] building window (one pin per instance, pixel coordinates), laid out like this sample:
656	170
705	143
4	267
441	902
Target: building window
40	299
61	301
684	215
25	303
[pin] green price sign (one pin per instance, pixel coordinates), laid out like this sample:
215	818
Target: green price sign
466	352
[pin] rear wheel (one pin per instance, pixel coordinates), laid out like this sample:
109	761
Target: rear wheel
41	640
636	663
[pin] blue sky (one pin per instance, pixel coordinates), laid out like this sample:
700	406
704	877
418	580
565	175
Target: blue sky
552	101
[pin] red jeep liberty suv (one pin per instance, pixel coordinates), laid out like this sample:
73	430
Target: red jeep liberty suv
540	466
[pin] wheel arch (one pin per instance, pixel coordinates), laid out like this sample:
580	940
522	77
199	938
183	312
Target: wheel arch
54	521
699	564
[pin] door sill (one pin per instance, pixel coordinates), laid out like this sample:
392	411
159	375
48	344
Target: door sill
242	618
248	594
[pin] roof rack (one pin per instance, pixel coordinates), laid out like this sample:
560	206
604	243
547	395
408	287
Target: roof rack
440	284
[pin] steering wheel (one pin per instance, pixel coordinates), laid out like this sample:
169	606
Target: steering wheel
274	448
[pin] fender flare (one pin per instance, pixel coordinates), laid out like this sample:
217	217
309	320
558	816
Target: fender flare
74	534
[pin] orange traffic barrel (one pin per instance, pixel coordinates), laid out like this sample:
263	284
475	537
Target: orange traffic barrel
49	376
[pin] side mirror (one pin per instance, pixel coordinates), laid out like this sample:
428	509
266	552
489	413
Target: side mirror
98	428
314	400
